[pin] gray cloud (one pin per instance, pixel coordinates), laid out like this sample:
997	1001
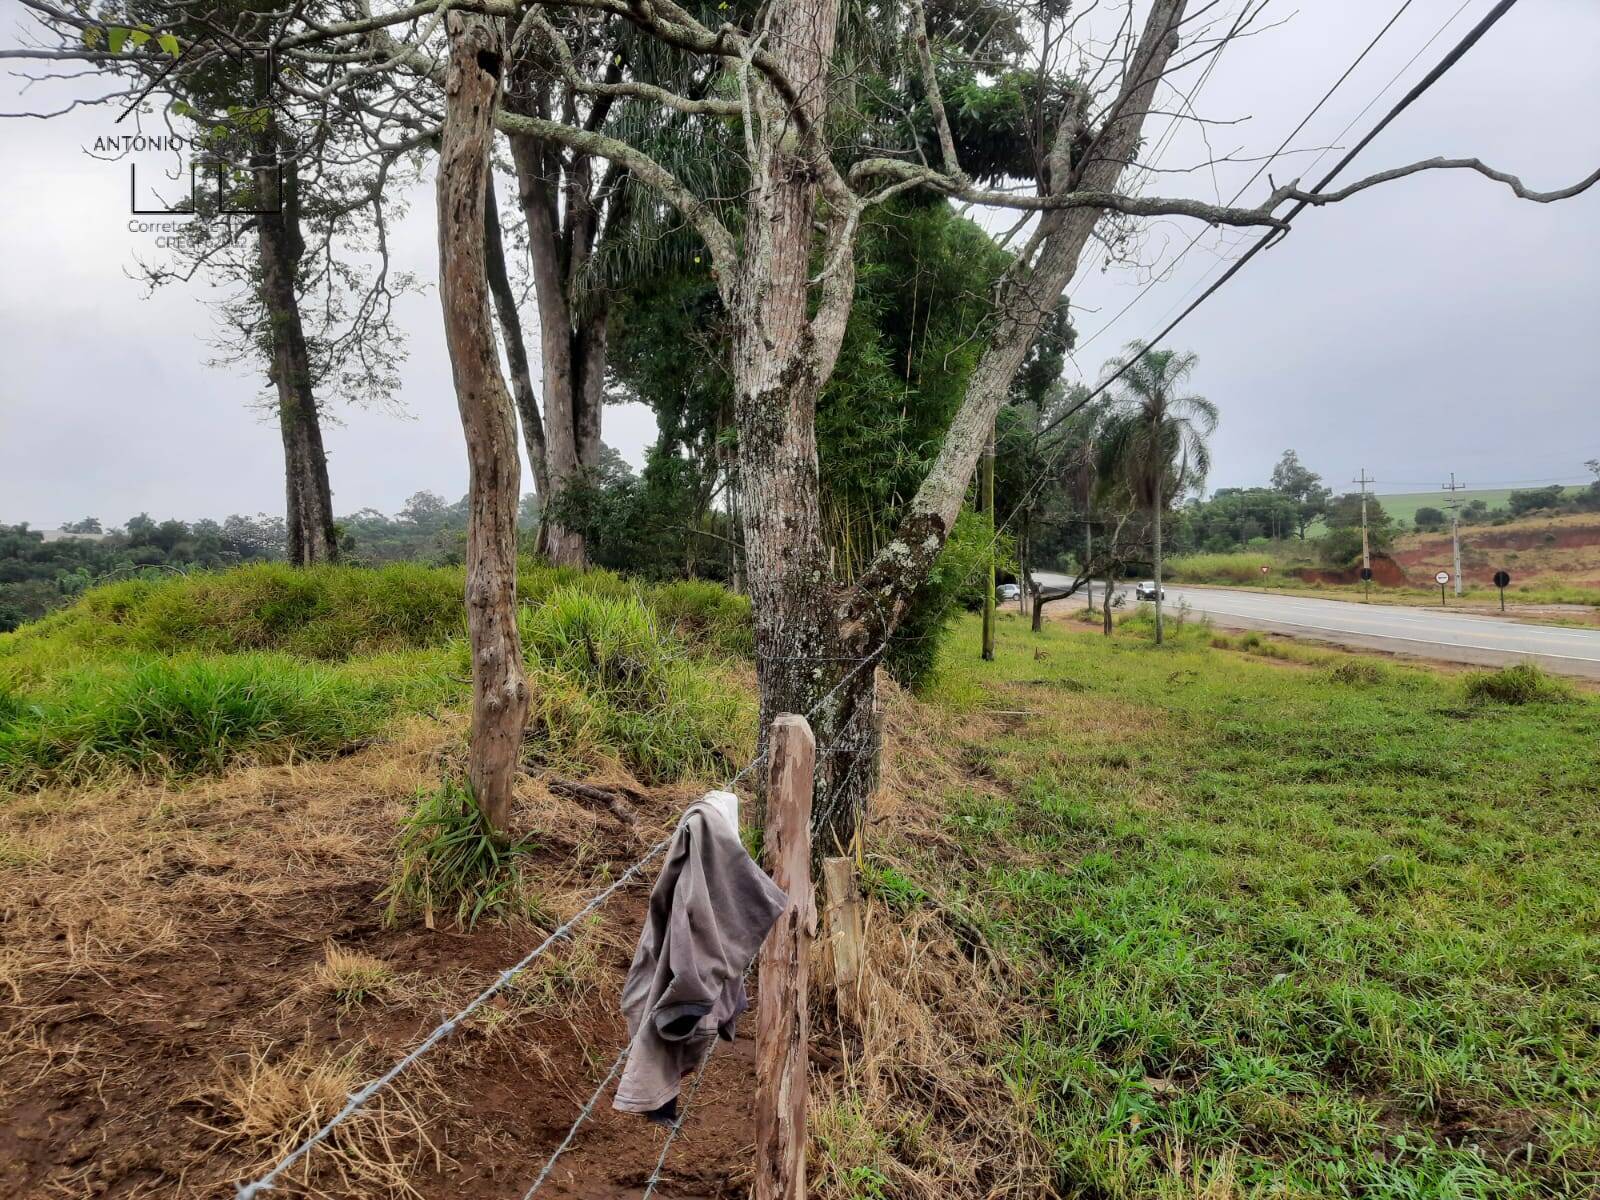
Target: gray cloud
1433	324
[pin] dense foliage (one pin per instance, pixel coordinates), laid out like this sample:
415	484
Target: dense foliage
37	575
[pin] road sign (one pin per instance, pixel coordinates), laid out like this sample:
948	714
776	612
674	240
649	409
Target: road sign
1442	578
1502	580
1366	574
1265	569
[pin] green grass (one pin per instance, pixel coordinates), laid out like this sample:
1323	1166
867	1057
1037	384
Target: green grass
184	676
186	716
1243	567
1300	928
606	673
1403	505
448	860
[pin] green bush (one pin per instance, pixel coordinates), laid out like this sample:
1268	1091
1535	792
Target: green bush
1523	683
607	675
172	718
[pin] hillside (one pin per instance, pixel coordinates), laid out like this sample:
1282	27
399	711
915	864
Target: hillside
1225	918
1558	552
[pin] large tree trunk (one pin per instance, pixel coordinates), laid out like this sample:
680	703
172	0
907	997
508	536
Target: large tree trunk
777	376
280	245
499	685
573	348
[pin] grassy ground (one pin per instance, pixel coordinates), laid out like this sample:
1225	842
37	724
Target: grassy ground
1315	928
1402	506
1232	918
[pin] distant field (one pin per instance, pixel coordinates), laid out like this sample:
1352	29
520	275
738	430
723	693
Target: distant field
1403	505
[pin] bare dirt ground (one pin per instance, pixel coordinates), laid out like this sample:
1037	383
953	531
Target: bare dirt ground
194	978
1563	550
174	1017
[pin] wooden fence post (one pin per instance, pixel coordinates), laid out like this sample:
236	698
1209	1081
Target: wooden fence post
782	1023
845	932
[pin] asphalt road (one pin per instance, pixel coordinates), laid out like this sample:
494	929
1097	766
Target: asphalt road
1423	632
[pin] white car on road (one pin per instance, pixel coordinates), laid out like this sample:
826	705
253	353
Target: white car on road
1147	590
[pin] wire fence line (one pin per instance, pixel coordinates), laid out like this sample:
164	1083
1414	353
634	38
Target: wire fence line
358	1098
361	1096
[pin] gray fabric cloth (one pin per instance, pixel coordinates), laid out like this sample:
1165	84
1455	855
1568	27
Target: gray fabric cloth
709	911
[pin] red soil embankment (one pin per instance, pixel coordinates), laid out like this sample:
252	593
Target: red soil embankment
1385	571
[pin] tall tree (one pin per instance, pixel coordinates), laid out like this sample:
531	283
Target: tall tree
783	254
1154	443
298	210
499	682
1304	486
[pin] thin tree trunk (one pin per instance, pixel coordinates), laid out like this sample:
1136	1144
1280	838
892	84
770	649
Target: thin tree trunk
986	492
1088	558
499	685
308	496
505	306
573	348
1156	555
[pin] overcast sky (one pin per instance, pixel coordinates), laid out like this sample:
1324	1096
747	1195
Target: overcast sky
1430	325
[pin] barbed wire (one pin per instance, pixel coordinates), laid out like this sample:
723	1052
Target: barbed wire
584	1114
361	1096
358	1098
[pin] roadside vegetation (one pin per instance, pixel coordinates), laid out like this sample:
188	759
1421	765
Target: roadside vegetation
1234	917
1312	926
170	678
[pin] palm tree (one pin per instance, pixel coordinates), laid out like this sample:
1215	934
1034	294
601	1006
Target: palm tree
1154	441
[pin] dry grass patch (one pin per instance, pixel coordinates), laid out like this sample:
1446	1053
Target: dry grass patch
918	1107
350	978
268	1104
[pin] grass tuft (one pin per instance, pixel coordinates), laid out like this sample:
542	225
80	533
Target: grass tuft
449	860
1523	683
352	977
608	676
271	1103
1359	672
170	718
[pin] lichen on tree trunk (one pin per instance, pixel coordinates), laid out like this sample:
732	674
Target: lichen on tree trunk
499	683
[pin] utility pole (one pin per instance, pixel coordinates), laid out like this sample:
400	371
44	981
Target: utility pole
987	500
1366	549
1455	524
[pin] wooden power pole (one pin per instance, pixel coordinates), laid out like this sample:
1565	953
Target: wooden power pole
1454	505
1366	549
782	1020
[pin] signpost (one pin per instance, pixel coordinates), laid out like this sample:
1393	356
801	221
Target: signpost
1502	580
1442	578
1366	584
1265	569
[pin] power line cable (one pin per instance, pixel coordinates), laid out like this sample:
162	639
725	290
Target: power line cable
1339	137
1166	272
1456	52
